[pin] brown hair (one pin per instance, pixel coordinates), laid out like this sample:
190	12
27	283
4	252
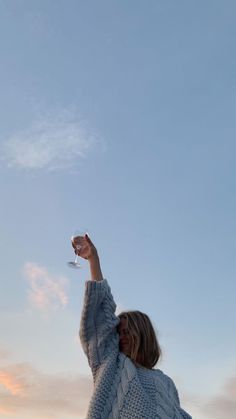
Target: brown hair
145	348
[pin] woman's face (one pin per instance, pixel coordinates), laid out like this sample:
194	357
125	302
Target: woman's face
125	338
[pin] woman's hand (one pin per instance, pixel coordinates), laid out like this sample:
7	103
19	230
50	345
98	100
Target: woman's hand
84	247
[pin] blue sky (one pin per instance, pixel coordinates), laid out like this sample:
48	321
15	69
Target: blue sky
117	118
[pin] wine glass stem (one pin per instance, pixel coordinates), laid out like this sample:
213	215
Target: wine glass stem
76	258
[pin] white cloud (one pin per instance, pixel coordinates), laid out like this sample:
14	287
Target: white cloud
52	142
46	292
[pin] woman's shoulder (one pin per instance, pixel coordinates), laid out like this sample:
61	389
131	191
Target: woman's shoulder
159	373
168	382
166	379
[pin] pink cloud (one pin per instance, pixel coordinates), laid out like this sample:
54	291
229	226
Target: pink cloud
46	292
10	383
220	406
223	405
28	392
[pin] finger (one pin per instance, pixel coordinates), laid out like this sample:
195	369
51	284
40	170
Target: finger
77	241
88	239
77	249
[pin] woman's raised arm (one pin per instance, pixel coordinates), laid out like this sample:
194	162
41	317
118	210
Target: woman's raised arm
98	325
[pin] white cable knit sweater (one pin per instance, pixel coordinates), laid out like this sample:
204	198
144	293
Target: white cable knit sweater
121	390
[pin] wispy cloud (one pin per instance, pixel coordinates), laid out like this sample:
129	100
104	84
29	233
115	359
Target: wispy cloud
4	353
26	391
54	141
46	293
223	405
219	406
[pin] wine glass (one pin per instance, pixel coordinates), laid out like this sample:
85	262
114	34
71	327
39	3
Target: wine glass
75	263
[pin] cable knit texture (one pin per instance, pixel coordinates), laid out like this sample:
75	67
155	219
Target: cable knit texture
121	390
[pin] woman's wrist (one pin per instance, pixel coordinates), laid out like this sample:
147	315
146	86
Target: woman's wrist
94	256
95	268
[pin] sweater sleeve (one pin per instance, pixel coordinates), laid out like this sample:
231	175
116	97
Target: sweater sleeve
98	333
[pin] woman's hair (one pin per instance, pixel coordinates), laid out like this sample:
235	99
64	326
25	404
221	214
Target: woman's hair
144	345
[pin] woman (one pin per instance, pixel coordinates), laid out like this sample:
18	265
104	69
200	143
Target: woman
121	352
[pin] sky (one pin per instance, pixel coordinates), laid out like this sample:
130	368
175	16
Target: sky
117	118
